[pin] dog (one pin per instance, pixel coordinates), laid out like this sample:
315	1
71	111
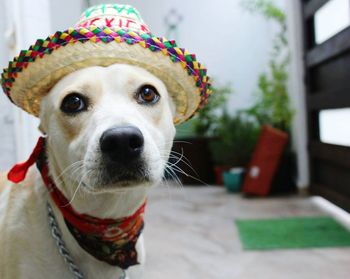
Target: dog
108	93
109	134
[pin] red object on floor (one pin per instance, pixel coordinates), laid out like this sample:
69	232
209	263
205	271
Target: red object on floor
219	174
265	161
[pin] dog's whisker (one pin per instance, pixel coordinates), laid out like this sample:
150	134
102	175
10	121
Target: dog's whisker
77	189
76	170
166	182
182	141
180	154
176	155
74	194
179	183
60	182
178	141
173	175
187	164
184	160
177	168
178	160
173	155
171	168
67	169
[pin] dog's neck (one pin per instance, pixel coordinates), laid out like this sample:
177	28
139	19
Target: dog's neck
109	205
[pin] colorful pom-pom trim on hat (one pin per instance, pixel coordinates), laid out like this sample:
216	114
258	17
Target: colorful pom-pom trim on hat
105	35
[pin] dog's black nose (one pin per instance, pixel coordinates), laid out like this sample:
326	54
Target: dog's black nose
122	144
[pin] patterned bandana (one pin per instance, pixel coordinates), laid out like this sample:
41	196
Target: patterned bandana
110	240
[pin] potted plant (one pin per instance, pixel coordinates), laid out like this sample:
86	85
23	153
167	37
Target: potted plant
235	138
193	141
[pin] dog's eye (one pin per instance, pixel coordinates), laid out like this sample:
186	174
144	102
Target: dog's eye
73	103
147	94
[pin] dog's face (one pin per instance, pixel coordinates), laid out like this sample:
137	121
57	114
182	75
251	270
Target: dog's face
109	127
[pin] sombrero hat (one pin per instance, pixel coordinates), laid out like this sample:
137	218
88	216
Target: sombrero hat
106	34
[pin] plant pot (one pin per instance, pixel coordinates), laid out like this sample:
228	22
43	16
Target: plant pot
219	174
233	179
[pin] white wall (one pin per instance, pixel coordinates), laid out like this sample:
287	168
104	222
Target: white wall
7	148
22	24
297	91
62	18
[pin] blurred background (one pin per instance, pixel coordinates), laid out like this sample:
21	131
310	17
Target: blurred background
275	127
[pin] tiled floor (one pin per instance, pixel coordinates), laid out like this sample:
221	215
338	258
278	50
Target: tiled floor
190	234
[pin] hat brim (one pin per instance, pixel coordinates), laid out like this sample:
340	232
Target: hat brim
34	72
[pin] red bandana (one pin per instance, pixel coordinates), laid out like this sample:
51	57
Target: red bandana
109	240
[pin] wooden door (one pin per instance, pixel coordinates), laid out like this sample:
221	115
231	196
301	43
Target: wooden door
327	77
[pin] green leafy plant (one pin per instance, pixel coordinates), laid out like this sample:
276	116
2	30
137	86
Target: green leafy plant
208	118
272	104
235	139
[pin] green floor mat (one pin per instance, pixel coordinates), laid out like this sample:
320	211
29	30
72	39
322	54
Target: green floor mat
290	233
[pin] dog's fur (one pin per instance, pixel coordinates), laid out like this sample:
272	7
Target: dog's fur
27	249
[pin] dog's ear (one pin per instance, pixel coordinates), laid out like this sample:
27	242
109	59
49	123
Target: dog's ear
41	129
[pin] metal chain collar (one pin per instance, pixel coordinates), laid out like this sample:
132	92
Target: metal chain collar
62	249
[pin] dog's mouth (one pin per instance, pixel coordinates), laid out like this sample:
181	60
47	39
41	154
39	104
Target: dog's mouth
124	178
116	176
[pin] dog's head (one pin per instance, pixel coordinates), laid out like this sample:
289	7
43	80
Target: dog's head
109	127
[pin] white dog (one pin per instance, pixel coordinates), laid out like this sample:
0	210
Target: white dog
108	93
110	131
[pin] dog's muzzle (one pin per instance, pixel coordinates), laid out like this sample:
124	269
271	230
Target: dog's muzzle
121	149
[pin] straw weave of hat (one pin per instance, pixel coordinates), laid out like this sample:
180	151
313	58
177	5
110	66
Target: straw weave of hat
106	34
